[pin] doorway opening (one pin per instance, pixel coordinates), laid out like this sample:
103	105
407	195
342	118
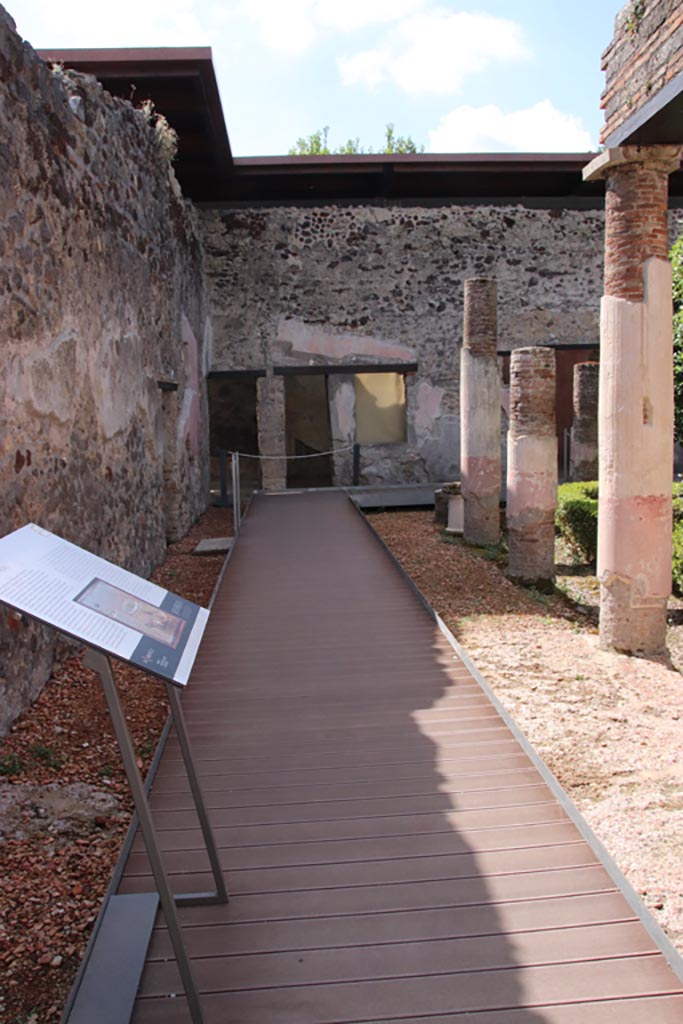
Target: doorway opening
233	428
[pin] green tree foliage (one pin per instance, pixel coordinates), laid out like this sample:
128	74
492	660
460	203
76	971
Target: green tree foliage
399	143
313	145
316	144
676	255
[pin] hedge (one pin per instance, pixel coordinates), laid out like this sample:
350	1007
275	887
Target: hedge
576	518
677	561
576	521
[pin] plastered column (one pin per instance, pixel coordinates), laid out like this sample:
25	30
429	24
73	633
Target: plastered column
480	414
636	399
532	467
584	438
342	398
270	417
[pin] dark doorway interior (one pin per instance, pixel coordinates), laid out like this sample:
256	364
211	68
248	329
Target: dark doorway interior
232	427
307	418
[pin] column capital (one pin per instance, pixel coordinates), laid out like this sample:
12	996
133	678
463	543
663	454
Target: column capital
663	158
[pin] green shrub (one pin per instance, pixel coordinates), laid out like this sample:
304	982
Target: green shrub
677	562
576	518
678	503
576	521
580	489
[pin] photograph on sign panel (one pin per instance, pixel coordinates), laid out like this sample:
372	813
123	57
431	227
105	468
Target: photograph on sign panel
133	612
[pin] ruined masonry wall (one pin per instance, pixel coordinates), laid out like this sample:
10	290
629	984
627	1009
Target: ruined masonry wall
101	296
645	53
341	283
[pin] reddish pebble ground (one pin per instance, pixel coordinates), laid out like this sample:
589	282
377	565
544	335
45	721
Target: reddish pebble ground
65	805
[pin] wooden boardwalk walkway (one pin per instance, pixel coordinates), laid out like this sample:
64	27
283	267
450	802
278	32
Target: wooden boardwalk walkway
392	852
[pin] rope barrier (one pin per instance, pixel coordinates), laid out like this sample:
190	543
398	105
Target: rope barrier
288	458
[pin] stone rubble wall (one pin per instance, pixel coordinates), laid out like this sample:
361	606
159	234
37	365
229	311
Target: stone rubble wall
101	296
645	53
348	284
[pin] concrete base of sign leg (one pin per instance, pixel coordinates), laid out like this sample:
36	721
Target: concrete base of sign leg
214	546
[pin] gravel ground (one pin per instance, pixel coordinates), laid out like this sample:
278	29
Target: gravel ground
65	804
608	725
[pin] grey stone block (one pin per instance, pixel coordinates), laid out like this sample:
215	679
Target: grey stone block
213	546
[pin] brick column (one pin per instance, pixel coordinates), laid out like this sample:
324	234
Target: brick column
270	417
480	414
636	399
584	446
532	467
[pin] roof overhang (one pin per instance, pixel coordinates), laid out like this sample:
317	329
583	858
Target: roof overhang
182	85
658	122
426	177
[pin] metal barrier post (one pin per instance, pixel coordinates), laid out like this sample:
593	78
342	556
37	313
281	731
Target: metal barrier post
356	465
223	464
236	497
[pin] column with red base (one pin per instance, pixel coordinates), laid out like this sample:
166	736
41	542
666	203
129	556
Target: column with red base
480	462
532	467
636	398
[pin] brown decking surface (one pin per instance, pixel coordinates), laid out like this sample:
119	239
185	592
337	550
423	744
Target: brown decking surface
391	851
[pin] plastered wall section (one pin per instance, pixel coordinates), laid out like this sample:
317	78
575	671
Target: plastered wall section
356	284
645	53
101	296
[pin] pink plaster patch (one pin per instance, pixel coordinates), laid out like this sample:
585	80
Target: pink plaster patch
295	337
634	542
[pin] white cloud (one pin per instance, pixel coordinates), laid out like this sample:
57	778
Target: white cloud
293	26
538	129
434	51
286	26
347	15
125	23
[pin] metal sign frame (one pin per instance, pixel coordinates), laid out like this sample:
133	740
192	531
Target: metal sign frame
101	665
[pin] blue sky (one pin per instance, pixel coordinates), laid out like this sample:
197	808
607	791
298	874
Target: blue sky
487	76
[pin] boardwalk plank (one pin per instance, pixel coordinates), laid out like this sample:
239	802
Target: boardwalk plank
208	934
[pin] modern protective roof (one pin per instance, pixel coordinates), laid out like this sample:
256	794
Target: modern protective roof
182	84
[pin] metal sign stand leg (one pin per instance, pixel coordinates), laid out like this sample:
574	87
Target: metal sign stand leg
100	664
221	893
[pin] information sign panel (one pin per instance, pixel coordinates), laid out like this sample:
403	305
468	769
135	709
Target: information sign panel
100	604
